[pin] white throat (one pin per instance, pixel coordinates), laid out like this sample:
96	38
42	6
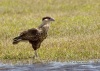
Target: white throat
44	24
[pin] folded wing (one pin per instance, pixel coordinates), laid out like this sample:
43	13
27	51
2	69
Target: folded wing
31	34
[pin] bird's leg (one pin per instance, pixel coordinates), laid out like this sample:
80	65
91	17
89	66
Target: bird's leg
35	52
35	55
37	59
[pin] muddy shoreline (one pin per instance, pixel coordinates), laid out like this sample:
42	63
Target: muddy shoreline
51	66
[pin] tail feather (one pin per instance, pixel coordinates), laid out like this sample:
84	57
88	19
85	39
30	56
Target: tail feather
16	40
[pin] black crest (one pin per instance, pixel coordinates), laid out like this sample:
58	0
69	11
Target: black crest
46	18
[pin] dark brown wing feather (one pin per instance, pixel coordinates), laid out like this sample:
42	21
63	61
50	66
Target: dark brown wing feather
31	34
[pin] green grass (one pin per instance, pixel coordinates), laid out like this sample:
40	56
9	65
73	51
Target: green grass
75	35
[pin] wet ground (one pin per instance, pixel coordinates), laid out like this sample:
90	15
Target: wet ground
52	66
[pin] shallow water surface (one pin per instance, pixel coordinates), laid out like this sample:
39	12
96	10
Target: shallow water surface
52	66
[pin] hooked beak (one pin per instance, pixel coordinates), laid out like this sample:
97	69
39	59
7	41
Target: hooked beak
52	19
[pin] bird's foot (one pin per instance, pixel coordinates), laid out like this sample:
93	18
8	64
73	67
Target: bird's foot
34	57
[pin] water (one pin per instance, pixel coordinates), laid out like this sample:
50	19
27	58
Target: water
52	66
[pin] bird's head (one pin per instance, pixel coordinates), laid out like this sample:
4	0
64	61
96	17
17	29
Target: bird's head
46	22
47	19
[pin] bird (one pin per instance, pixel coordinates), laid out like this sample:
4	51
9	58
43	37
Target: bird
35	36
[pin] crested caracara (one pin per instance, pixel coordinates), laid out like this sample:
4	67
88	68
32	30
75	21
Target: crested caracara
35	36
